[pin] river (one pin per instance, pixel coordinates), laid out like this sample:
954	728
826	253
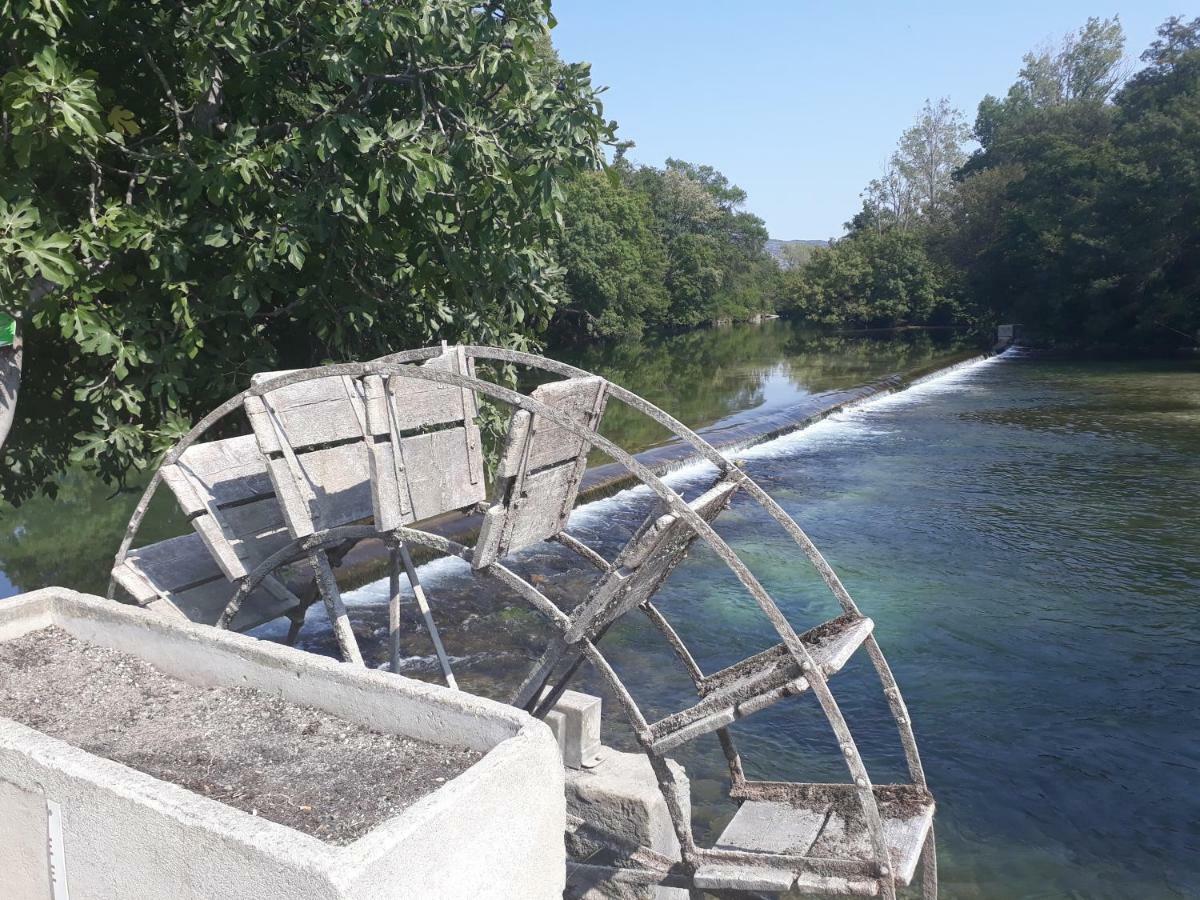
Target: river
1025	533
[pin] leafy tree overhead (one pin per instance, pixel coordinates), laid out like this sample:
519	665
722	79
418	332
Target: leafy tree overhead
191	193
1086	67
645	246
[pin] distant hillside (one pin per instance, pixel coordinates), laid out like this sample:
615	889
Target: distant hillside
792	253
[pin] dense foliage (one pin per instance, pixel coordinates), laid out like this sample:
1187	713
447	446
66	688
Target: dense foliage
1092	207
879	279
189	194
193	192
1077	216
673	247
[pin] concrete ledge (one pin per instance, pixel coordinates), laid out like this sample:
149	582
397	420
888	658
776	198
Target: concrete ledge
496	830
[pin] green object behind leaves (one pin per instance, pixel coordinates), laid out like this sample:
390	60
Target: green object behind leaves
8	330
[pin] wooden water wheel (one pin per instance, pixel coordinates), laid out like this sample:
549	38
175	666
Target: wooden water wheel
342	453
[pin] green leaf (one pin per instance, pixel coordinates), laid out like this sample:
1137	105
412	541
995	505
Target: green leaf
123	121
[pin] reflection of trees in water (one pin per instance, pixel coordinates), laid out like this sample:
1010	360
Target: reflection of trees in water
70	540
705	375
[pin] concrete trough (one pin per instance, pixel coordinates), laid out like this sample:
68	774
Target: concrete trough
76	826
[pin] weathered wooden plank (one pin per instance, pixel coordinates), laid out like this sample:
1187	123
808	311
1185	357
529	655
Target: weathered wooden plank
204	603
187	495
175	563
761	681
375	403
422	404
225	488
134	583
318	411
293	497
240	554
249	519
831	645
438	466
905	824
766	826
432	473
836	885
231	470
644	563
579	398
540	470
539	512
731	877
390	503
262	425
340	479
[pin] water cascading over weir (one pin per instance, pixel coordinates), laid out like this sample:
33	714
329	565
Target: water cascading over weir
335	455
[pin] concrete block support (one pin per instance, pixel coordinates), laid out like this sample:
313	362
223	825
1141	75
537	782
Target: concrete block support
575	721
494	831
614	803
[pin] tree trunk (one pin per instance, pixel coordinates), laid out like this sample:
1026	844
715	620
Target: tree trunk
10	383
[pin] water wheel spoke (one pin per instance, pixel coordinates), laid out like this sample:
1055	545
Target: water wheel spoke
336	608
427	615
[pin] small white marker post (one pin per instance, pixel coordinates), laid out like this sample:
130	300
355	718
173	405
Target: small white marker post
54	845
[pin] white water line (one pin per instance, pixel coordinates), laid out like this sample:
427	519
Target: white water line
934	382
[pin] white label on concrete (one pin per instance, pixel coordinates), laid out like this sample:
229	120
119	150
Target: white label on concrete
58	859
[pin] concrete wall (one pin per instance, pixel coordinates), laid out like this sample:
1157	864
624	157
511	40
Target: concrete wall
494	831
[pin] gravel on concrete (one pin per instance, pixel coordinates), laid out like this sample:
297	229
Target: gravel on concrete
288	763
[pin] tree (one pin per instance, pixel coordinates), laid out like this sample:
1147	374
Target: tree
918	176
872	280
717	264
890	201
1080	215
191	193
1085	66
613	258
929	153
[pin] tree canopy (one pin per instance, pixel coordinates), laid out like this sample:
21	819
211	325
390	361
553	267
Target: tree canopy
671	246
1077	215
191	193
1087	210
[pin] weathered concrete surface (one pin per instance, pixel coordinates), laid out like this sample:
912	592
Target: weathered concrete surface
619	796
575	721
494	831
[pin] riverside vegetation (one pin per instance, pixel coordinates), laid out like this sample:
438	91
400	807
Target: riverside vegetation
193	194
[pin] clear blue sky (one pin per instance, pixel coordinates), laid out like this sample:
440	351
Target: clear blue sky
800	103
